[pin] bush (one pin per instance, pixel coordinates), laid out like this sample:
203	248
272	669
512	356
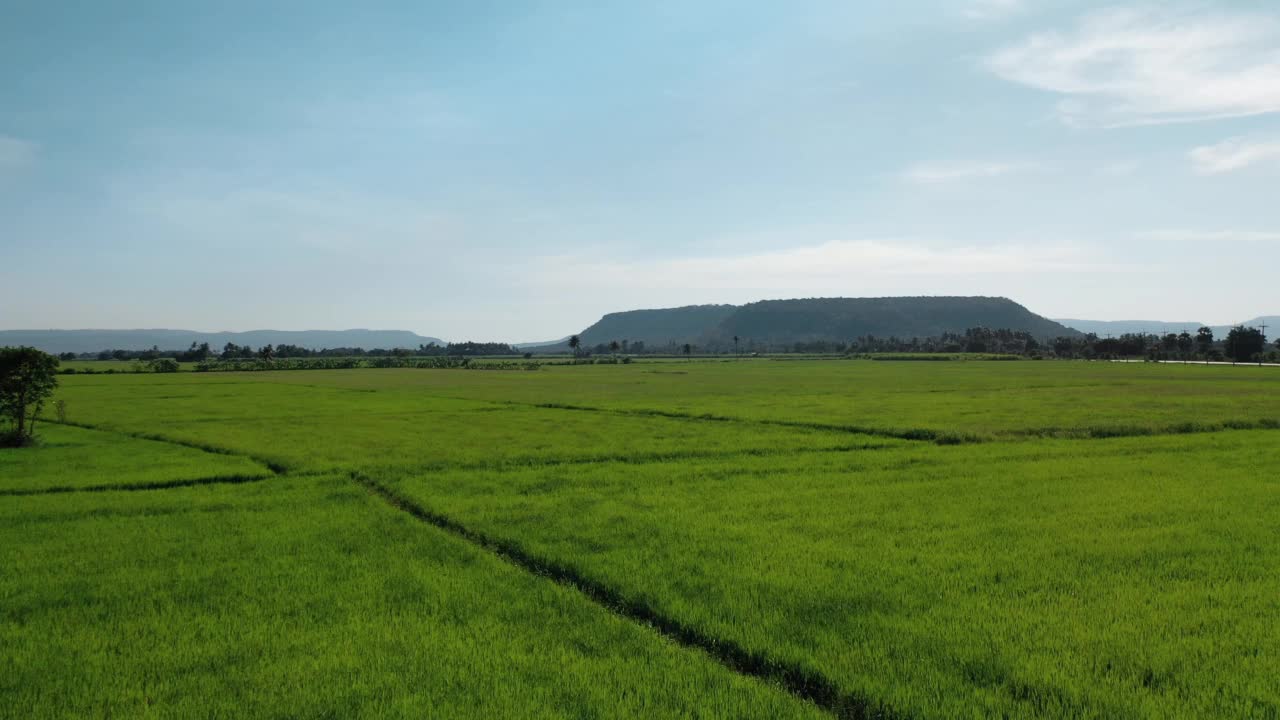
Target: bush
165	365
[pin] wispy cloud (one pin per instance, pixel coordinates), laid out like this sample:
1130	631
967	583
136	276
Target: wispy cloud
1233	154
16	153
931	173
1147	66
1210	236
832	267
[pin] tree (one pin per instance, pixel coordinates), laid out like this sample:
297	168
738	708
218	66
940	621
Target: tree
266	352
27	378
688	350
614	347
1244	343
1185	343
1204	340
735	345
575	342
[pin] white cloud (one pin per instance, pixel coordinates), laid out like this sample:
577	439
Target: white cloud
992	9
1146	66
1233	154
1211	236
837	267
16	154
930	173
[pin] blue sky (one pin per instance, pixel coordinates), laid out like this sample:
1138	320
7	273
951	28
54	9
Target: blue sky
511	171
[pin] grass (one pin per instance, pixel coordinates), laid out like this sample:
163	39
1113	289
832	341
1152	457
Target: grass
313	599
71	458
319	427
966	400
713	539
1110	578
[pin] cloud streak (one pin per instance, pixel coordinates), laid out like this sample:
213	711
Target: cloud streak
836	266
1146	66
1233	154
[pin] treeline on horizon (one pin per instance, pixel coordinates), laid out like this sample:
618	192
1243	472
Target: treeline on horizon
1242	344
231	351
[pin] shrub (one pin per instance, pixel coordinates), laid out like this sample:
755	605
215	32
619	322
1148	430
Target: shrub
164	365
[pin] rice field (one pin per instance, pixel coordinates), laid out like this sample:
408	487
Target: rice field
683	539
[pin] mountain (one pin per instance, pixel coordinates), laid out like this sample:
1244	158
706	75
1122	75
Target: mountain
784	322
85	341
842	319
658	327
561	343
1116	328
1271	321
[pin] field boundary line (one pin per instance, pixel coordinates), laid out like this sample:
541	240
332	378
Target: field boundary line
273	466
654	458
937	437
804	683
133	487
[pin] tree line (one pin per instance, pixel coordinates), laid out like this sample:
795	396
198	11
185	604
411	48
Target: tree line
200	352
1241	344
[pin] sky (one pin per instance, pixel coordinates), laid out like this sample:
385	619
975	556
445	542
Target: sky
506	170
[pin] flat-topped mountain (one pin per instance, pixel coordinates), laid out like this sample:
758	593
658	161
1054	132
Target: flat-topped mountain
87	341
781	322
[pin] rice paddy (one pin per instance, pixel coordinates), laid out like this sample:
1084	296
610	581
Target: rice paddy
703	539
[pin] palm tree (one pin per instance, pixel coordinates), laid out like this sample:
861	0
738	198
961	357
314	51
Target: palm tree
735	345
574	343
613	346
688	350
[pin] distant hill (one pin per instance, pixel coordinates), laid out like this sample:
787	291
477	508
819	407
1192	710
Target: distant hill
658	327
85	341
783	322
561	343
1116	328
842	319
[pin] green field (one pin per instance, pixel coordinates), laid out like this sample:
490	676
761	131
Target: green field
686	539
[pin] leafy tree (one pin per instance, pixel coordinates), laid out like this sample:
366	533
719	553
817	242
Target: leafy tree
1204	340
1185	343
614	347
688	350
266	352
575	342
27	378
1244	343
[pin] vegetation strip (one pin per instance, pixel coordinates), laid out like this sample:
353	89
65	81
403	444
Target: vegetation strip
801	682
162	485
